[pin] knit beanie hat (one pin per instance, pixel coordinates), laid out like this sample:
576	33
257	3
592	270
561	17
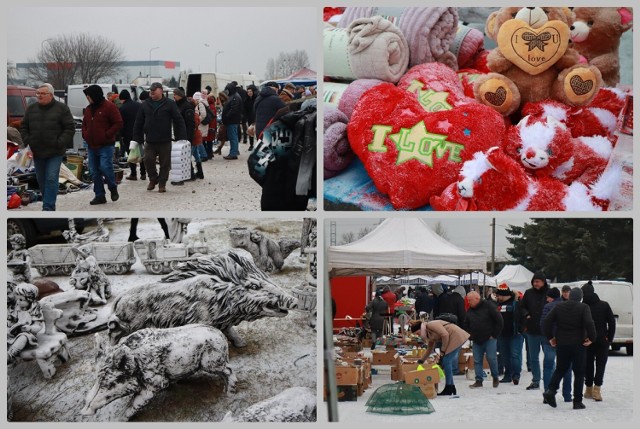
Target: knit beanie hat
437	289
124	95
587	288
503	290
575	294
197	96
553	293
178	92
538	275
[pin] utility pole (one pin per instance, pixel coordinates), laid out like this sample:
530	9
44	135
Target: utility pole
493	246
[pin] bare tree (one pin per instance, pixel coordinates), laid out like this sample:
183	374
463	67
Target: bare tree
348	237
78	58
286	64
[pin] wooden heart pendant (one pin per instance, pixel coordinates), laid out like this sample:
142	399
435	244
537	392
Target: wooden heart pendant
533	50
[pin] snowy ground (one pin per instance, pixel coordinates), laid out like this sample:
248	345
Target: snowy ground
281	353
507	403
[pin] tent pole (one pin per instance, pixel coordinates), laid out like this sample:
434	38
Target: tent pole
329	367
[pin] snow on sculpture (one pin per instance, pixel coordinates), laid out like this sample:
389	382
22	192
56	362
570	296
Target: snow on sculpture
296	404
19	259
24	320
147	361
268	254
100	234
87	275
220	291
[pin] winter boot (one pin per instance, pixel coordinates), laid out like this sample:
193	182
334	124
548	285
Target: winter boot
596	394
193	175
550	398
578	405
446	391
199	172
477	384
588	392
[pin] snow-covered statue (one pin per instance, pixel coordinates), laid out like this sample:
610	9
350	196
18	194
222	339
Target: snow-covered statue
147	361
87	275
100	234
18	259
217	290
268	254
296	404
24	320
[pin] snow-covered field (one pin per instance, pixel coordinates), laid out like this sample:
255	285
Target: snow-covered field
507	404
280	352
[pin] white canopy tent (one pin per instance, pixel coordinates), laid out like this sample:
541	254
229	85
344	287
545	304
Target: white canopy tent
402	246
517	277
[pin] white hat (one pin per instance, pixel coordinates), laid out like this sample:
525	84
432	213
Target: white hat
197	96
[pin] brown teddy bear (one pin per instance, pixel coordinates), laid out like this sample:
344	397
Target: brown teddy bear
533	61
596	33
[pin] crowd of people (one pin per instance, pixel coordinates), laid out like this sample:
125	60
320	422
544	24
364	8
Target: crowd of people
573	328
114	124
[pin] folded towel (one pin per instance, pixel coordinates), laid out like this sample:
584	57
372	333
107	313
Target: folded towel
337	152
429	30
369	48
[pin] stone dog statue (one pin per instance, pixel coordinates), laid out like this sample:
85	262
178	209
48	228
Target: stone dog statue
268	254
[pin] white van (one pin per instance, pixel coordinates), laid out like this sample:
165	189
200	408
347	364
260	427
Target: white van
77	101
619	295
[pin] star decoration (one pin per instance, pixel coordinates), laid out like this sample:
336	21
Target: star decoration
419	144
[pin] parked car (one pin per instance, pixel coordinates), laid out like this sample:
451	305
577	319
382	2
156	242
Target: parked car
34	229
18	98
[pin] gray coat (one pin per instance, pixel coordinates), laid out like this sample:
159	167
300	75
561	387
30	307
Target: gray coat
377	307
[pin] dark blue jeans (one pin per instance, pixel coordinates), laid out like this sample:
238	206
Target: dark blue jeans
490	348
537	342
448	362
232	136
510	348
47	173
101	165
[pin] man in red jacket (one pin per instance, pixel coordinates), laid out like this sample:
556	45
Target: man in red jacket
100	124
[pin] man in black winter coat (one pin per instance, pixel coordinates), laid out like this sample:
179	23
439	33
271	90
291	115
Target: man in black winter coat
598	352
575	331
153	126
231	118
266	106
423	303
484	324
188	113
129	112
531	306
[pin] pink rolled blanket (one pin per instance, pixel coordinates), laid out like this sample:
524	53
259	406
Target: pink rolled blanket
467	44
429	30
369	48
345	96
337	153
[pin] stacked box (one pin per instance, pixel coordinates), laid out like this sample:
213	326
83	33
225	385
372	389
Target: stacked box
426	380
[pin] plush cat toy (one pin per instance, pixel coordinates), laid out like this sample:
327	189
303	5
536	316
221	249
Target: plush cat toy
533	61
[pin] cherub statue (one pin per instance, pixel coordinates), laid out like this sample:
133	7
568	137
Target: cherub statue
87	275
18	259
24	321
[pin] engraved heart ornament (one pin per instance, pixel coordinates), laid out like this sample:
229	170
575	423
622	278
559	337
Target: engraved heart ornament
533	50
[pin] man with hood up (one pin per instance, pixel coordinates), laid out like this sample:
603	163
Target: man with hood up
510	339
266	106
100	124
231	118
575	331
531	306
598	352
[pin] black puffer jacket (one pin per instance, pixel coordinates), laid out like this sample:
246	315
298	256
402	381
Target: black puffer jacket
483	322
154	121
188	114
452	302
532	303
265	108
602	316
129	112
573	323
48	129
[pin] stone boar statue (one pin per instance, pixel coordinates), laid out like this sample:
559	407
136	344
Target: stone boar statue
220	291
148	360
296	404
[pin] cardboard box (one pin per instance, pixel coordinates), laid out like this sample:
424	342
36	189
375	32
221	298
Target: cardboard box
383	358
427	376
429	390
347	375
347	393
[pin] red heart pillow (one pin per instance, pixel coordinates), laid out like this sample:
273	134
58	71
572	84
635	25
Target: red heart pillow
411	154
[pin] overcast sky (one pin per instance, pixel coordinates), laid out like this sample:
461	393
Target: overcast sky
249	36
469	234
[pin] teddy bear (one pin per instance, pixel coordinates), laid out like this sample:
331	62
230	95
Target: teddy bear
596	33
533	61
546	148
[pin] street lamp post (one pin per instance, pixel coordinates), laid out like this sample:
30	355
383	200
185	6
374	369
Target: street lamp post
149	75
216	64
